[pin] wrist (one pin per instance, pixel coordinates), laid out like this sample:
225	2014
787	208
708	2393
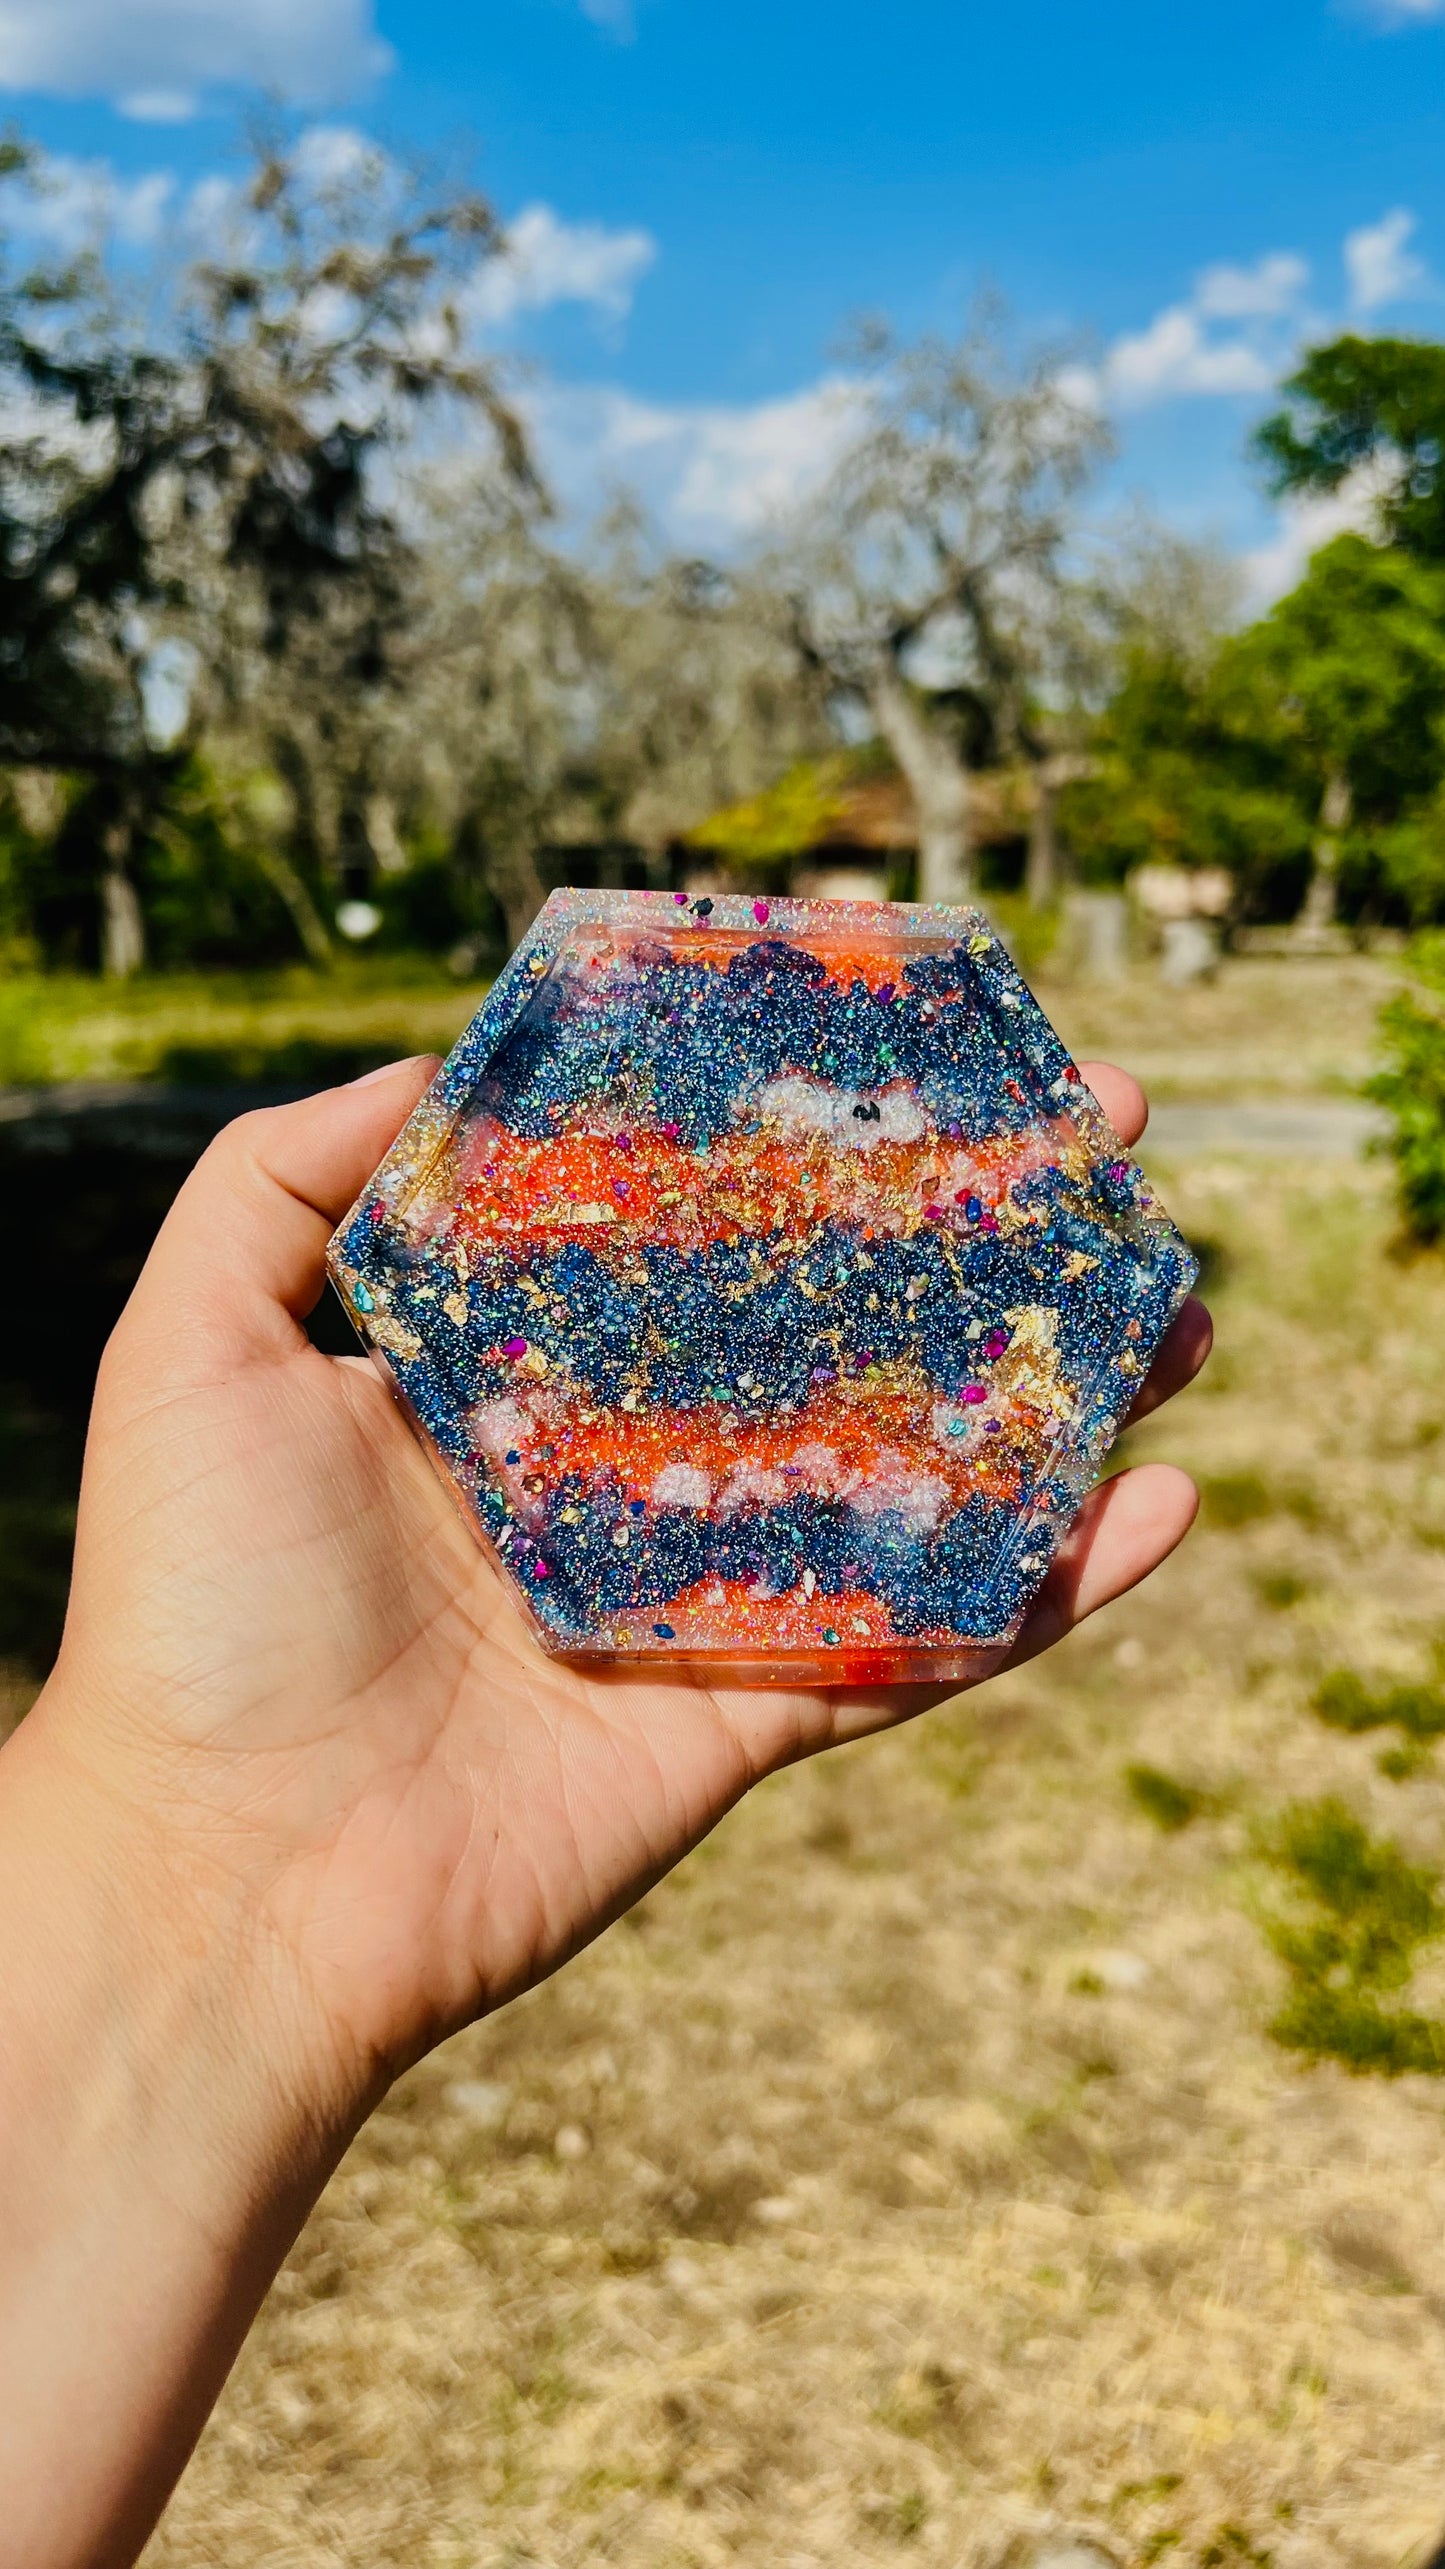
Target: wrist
163	2131
127	1940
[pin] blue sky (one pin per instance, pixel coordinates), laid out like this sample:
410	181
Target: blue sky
708	194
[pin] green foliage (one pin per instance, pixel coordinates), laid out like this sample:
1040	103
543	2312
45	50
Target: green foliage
1358	1912
226	1027
1170	1804
1399	1764
1185	774
1341	2025
1346	1704
435	903
1407	858
792	816
201	873
1361	402
1224	761
1350	668
1411	1088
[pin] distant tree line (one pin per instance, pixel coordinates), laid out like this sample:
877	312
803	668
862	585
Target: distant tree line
291	633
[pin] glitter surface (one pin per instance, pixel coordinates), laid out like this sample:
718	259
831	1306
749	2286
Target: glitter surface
766	1282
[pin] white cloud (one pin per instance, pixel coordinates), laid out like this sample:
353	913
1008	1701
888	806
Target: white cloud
65	205
339	156
1183	351
212	209
746	465
159	106
710	473
1303	526
1391	14
1273	285
1237	331
1176	355
546	260
141	52
1379	263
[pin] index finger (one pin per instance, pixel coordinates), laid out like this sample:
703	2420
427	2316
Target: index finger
239	1259
1122	1098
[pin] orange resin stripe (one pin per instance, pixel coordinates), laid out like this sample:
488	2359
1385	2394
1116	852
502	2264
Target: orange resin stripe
631	1447
585	1184
870	961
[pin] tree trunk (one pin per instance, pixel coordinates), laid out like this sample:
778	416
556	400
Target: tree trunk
122	927
306	919
1317	913
1041	871
382	835
938	782
1048	863
513	876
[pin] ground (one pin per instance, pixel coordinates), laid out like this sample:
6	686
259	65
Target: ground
219	1028
913	2175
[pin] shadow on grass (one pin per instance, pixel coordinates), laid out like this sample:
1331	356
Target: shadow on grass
83	1210
300	1061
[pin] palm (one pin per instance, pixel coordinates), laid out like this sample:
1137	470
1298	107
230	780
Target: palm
430	1812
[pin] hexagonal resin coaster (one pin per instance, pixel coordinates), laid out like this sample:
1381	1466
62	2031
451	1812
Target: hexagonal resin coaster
766	1283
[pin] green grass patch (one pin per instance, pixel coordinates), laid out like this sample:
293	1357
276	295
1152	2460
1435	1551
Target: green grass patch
1346	1703
1397	1765
1357	1914
1170	1804
1279	1589
282	1028
1233	2548
1233	1499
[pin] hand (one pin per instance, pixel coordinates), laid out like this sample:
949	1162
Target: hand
285	1639
302	1747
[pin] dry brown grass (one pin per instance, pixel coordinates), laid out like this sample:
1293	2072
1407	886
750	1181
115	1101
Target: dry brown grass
912	2176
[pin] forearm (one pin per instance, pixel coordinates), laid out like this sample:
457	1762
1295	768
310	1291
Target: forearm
160	2145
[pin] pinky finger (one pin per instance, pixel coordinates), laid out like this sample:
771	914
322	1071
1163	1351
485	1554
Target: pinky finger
1123	1531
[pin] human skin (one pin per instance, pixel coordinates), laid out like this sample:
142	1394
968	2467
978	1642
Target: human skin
301	1797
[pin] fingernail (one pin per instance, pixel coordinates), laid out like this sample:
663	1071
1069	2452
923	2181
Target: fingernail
389	1069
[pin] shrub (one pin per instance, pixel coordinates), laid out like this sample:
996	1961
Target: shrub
1411	1088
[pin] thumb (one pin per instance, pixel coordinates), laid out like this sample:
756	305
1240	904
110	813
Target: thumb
240	1258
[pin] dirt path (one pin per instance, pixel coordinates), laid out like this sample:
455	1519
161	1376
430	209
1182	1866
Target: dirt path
1326	1128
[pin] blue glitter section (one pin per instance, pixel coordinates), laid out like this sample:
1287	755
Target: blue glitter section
610	1324
700	1038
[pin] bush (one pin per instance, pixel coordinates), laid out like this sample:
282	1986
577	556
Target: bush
1411	1088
